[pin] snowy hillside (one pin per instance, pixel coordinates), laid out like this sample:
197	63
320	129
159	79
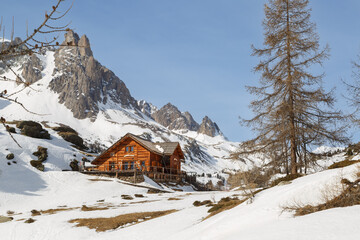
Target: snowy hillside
53	198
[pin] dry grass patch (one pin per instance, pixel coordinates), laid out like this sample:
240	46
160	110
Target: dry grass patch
50	211
145	201
174	199
4	219
342	164
223	205
87	209
99	180
104	224
208	203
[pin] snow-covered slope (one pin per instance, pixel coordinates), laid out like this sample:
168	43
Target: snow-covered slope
23	188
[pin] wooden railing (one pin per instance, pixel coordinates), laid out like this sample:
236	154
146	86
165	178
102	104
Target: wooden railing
160	174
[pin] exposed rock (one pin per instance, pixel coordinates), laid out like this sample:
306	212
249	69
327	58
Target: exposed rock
10	156
74	165
10	129
35	132
21	124
209	127
32	69
64	129
170	117
84	46
30	220
73	138
32	129
147	108
83	83
41	153
37	164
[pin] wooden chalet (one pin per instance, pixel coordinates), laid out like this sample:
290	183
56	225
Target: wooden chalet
160	161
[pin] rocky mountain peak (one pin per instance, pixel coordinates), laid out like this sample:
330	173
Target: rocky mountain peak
170	117
84	46
147	108
82	83
71	37
209	127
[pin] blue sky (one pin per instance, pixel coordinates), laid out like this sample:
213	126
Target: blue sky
195	53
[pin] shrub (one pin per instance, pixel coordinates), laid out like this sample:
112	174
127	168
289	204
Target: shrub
349	152
10	156
139	195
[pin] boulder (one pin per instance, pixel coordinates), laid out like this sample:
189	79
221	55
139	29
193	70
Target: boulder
21	124
10	156
64	129
41	153
73	138
37	164
74	165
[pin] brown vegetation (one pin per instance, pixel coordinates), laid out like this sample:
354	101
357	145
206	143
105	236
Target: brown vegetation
86	208
104	224
35	212
223	205
342	164
205	202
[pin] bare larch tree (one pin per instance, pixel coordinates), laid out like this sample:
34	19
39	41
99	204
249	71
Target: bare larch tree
291	109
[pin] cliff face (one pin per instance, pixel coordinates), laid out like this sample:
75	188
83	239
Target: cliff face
83	83
209	127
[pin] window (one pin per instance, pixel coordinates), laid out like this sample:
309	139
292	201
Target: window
126	166
129	149
132	165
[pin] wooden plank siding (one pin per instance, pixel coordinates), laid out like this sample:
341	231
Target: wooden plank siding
119	156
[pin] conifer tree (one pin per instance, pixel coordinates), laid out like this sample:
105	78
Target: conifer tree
291	106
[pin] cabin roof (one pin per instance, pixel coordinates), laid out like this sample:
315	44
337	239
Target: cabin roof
164	148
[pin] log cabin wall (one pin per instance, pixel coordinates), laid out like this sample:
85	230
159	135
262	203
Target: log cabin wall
122	158
175	161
